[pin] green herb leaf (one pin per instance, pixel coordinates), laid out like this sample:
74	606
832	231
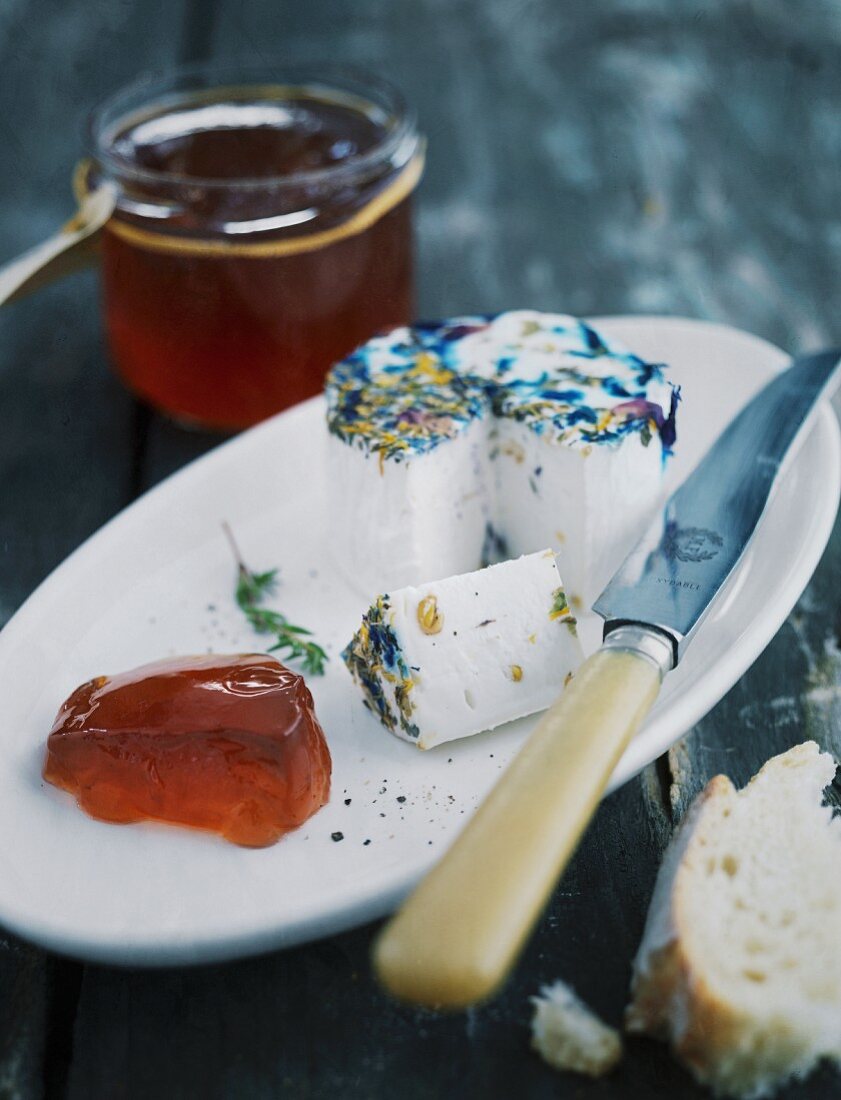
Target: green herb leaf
251	590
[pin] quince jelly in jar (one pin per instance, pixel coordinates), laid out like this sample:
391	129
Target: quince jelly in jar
262	231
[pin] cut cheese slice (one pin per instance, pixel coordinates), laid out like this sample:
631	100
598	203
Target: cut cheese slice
454	657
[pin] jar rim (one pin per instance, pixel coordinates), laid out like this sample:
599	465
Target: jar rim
399	142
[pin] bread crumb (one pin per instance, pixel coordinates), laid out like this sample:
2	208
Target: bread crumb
569	1036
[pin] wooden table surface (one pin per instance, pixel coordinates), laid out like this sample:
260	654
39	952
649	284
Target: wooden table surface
655	156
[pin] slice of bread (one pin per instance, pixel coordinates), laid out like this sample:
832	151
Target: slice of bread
740	962
569	1036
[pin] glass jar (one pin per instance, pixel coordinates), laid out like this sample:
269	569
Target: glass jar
262	231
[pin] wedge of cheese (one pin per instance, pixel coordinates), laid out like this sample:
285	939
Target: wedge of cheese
453	657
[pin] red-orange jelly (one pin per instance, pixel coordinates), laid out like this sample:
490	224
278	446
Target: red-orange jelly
226	743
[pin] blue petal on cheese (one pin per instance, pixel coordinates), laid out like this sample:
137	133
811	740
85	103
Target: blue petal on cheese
454	657
522	429
398	397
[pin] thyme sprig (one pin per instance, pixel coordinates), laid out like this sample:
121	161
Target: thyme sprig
251	590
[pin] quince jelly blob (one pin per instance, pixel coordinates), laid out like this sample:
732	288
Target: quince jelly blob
225	743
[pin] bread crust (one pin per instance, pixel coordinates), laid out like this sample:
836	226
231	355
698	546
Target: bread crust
664	988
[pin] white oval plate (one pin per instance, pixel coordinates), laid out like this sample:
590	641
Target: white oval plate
158	580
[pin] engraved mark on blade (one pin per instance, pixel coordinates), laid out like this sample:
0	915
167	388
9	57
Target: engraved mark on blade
692	544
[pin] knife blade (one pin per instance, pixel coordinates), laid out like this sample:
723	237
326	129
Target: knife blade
457	936
671	578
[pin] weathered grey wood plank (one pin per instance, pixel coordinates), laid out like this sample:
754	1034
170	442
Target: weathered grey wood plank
65	426
23	1014
621	156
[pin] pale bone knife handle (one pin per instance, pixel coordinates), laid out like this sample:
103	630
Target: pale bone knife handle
457	936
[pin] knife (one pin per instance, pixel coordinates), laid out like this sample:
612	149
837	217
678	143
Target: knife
460	932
